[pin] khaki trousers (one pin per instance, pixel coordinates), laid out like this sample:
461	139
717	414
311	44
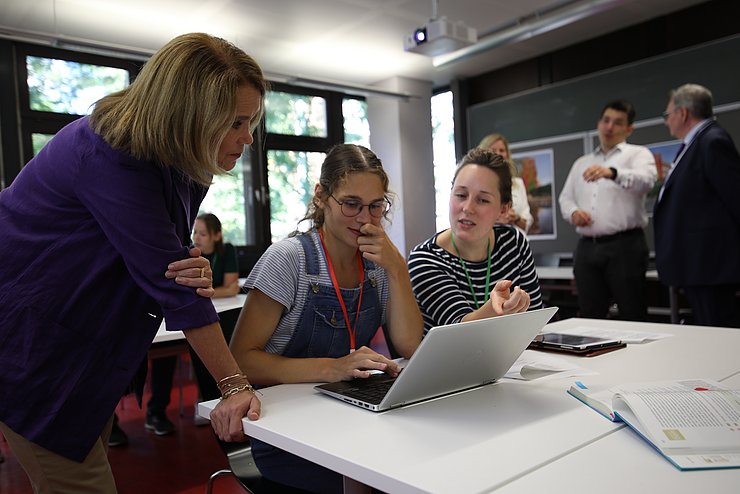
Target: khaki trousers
51	473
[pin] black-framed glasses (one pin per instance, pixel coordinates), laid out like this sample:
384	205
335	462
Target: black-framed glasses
353	207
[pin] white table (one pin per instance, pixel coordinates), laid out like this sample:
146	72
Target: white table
566	273
512	436
220	304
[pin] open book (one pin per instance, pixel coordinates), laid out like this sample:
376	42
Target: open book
694	423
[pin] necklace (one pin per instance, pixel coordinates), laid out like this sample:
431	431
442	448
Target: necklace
465	268
351	330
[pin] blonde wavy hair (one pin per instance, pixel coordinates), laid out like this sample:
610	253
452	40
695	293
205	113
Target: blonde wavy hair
181	105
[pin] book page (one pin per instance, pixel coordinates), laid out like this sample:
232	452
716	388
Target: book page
686	416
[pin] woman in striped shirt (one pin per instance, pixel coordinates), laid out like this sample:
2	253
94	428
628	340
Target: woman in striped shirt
475	269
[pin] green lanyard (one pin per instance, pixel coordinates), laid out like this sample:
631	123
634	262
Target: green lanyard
467	275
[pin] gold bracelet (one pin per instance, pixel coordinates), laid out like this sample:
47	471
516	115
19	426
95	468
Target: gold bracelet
237	389
238	374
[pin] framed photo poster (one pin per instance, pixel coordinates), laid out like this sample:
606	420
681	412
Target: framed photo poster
537	169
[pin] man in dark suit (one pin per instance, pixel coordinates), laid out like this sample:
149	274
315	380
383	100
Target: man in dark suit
697	216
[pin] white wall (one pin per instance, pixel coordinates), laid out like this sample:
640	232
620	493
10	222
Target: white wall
401	136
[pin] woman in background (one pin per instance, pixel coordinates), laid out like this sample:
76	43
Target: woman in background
519	213
316	299
477	268
208	237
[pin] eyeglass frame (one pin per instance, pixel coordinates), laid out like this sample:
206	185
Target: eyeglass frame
667	113
385	200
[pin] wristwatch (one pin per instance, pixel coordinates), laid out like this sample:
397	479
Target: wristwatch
614	172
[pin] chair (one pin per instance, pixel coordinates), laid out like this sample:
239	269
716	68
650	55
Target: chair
243	468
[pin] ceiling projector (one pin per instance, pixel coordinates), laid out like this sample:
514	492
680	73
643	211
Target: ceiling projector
440	36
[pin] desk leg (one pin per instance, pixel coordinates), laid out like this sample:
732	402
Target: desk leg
351	486
673	301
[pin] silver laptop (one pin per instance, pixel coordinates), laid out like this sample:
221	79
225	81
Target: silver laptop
451	358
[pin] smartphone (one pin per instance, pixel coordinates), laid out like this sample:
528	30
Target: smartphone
572	343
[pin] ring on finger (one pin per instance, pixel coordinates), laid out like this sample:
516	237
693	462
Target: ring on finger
202	272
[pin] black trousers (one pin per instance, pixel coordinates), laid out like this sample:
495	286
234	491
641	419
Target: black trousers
612	269
163	369
714	305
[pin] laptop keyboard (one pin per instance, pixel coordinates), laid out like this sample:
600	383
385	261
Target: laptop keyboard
370	390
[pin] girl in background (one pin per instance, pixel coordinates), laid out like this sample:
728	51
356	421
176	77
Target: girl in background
208	237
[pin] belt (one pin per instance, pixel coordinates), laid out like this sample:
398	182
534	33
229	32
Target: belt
613	236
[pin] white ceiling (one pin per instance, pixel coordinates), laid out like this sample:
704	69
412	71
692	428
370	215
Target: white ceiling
350	41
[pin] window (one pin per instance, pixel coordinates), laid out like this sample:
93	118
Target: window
58	86
443	142
38	141
268	193
294	114
64	86
261	200
227	199
291	176
356	126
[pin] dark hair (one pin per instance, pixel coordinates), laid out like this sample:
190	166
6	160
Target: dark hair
341	161
494	162
213	225
695	98
623	106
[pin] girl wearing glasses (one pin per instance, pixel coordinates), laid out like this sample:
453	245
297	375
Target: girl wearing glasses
317	298
477	268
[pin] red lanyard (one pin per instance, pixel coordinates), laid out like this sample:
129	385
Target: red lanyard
334	282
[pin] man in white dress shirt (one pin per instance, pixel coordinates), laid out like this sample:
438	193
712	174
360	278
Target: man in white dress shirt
604	198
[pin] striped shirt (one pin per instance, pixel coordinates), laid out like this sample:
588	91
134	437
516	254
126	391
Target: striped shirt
441	286
281	275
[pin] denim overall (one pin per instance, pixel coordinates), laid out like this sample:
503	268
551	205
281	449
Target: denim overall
321	332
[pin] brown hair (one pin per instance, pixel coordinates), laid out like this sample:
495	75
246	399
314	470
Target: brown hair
492	161
213	225
181	105
341	161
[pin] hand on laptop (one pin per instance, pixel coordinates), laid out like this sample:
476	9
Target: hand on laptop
505	301
361	363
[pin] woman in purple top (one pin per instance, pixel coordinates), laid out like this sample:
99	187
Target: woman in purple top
95	253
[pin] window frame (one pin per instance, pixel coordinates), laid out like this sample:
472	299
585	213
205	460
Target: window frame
18	122
43	122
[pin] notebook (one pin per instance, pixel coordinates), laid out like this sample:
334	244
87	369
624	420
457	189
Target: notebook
449	359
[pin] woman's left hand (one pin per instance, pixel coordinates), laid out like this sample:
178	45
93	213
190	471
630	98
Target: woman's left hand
194	271
226	418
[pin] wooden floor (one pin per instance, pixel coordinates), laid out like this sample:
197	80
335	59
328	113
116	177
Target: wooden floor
176	464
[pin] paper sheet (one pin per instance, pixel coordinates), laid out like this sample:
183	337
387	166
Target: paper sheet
539	365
